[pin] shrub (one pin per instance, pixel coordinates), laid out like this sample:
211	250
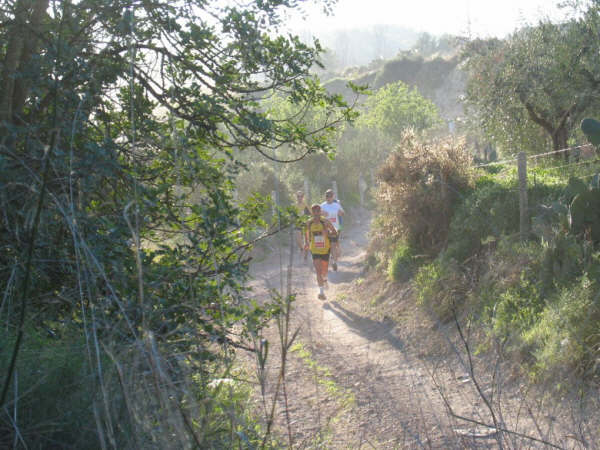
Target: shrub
562	261
491	211
517	308
59	393
566	338
400	266
539	298
487	213
263	180
427	282
441	288
508	295
56	404
419	185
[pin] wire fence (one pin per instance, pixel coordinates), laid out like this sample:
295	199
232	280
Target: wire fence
582	163
534	157
578	159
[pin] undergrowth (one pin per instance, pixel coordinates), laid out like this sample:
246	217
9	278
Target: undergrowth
58	398
539	298
401	264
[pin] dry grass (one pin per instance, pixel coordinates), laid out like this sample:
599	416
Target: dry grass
419	184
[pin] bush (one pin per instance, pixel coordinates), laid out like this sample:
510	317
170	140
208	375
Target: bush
63	392
419	185
441	288
489	212
562	261
566	338
400	266
517	308
263	180
539	298
55	404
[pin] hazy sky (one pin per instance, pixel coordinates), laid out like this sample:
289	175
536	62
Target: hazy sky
486	17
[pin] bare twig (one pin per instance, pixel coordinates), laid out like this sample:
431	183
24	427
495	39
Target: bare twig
471	369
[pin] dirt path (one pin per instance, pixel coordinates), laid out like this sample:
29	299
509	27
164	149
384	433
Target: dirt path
356	382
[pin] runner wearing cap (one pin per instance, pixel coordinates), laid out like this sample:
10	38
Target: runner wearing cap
318	240
333	211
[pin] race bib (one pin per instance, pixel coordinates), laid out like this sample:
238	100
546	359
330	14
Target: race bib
333	219
319	241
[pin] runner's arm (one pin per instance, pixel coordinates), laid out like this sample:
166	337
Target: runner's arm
330	227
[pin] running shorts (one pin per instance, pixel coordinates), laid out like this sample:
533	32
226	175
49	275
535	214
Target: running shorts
324	257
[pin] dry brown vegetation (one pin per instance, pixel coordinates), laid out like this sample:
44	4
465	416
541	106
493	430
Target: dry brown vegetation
419	183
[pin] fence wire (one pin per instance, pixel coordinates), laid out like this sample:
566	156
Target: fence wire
533	157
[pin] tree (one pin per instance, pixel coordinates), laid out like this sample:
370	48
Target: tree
540	77
120	126
426	44
396	107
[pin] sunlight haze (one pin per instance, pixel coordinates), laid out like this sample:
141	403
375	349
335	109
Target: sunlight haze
479	18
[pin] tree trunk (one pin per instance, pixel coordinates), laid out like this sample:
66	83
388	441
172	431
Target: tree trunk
22	44
560	132
559	141
16	42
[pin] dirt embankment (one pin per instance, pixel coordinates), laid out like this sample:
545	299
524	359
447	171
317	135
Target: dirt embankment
368	369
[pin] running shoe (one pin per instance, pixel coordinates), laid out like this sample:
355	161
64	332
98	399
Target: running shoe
322	297
334	266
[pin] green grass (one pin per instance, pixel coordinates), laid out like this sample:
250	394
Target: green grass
541	297
324	377
400	266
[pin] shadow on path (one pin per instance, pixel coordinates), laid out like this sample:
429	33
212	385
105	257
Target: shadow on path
368	328
340	276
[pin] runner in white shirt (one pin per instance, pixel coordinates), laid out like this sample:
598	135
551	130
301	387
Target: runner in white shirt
332	210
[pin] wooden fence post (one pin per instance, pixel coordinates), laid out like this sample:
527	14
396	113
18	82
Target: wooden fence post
523	207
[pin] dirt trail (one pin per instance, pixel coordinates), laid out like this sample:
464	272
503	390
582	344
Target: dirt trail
356	382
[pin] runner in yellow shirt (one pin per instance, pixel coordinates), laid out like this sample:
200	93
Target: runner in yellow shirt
318	233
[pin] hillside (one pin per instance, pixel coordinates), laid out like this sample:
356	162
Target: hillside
438	79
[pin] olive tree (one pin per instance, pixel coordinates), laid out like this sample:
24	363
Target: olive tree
536	85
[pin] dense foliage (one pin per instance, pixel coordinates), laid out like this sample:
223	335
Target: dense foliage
535	297
533	301
536	85
121	243
395	108
385	114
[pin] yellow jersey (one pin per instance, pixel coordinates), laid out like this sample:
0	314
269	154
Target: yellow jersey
319	238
